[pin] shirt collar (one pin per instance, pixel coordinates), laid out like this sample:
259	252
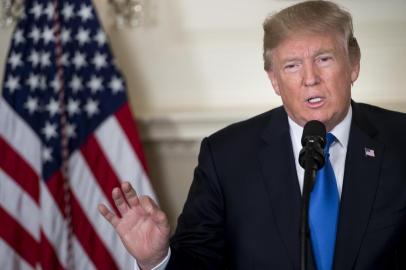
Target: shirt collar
340	131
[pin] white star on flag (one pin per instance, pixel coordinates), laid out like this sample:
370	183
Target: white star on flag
76	84
33	81
65	35
67	11
91	107
70	130
99	60
83	36
47	154
15	60
42	83
12	83
45	59
35	34
49	130
85	13
100	38
56	84
48	35
79	60
95	84
53	107
18	37
36	10
34	58
65	59
116	85
49	11
31	105
73	107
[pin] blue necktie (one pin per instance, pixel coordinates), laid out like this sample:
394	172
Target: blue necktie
323	212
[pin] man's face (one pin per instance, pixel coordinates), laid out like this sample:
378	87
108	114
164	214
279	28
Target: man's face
313	75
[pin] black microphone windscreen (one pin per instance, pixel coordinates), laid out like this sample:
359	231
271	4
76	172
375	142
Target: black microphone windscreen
314	129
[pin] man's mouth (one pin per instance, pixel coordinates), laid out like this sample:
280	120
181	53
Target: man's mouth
314	100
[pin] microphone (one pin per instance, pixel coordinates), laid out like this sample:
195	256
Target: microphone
311	158
313	142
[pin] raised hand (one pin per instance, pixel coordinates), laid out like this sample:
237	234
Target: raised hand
142	227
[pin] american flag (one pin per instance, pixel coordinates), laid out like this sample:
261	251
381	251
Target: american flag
67	138
369	152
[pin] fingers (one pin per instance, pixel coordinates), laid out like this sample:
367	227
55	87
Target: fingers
126	198
151	208
108	215
130	194
161	220
148	204
119	201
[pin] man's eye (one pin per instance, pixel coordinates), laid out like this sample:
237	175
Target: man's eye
291	67
324	59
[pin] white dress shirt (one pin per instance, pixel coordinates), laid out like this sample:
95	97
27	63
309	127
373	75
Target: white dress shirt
160	266
338	151
338	148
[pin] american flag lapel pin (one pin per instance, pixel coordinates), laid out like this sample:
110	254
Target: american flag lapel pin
369	152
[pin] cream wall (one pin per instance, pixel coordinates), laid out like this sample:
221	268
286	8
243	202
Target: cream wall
199	68
206	55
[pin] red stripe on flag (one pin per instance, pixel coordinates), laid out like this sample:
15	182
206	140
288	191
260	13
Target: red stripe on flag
129	126
100	168
89	239
49	259
18	238
55	187
18	169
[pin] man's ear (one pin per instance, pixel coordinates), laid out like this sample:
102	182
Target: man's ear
355	71
274	81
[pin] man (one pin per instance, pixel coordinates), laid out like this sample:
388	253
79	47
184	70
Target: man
243	208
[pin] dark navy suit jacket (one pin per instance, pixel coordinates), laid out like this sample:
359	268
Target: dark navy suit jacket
243	208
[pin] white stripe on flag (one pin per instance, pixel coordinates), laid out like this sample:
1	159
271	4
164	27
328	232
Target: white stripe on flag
19	205
9	260
53	224
122	156
88	193
82	261
20	136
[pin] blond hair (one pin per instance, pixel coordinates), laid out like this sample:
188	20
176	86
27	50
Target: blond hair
318	17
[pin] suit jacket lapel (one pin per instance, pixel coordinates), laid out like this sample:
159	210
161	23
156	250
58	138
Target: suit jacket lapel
279	174
360	183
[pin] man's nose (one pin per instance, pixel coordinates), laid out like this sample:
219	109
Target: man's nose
311	75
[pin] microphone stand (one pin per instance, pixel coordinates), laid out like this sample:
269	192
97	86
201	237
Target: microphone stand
309	179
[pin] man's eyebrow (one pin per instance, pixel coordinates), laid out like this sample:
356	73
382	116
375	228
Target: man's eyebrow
290	59
323	51
316	53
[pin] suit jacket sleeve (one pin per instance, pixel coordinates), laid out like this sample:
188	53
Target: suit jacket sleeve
198	242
